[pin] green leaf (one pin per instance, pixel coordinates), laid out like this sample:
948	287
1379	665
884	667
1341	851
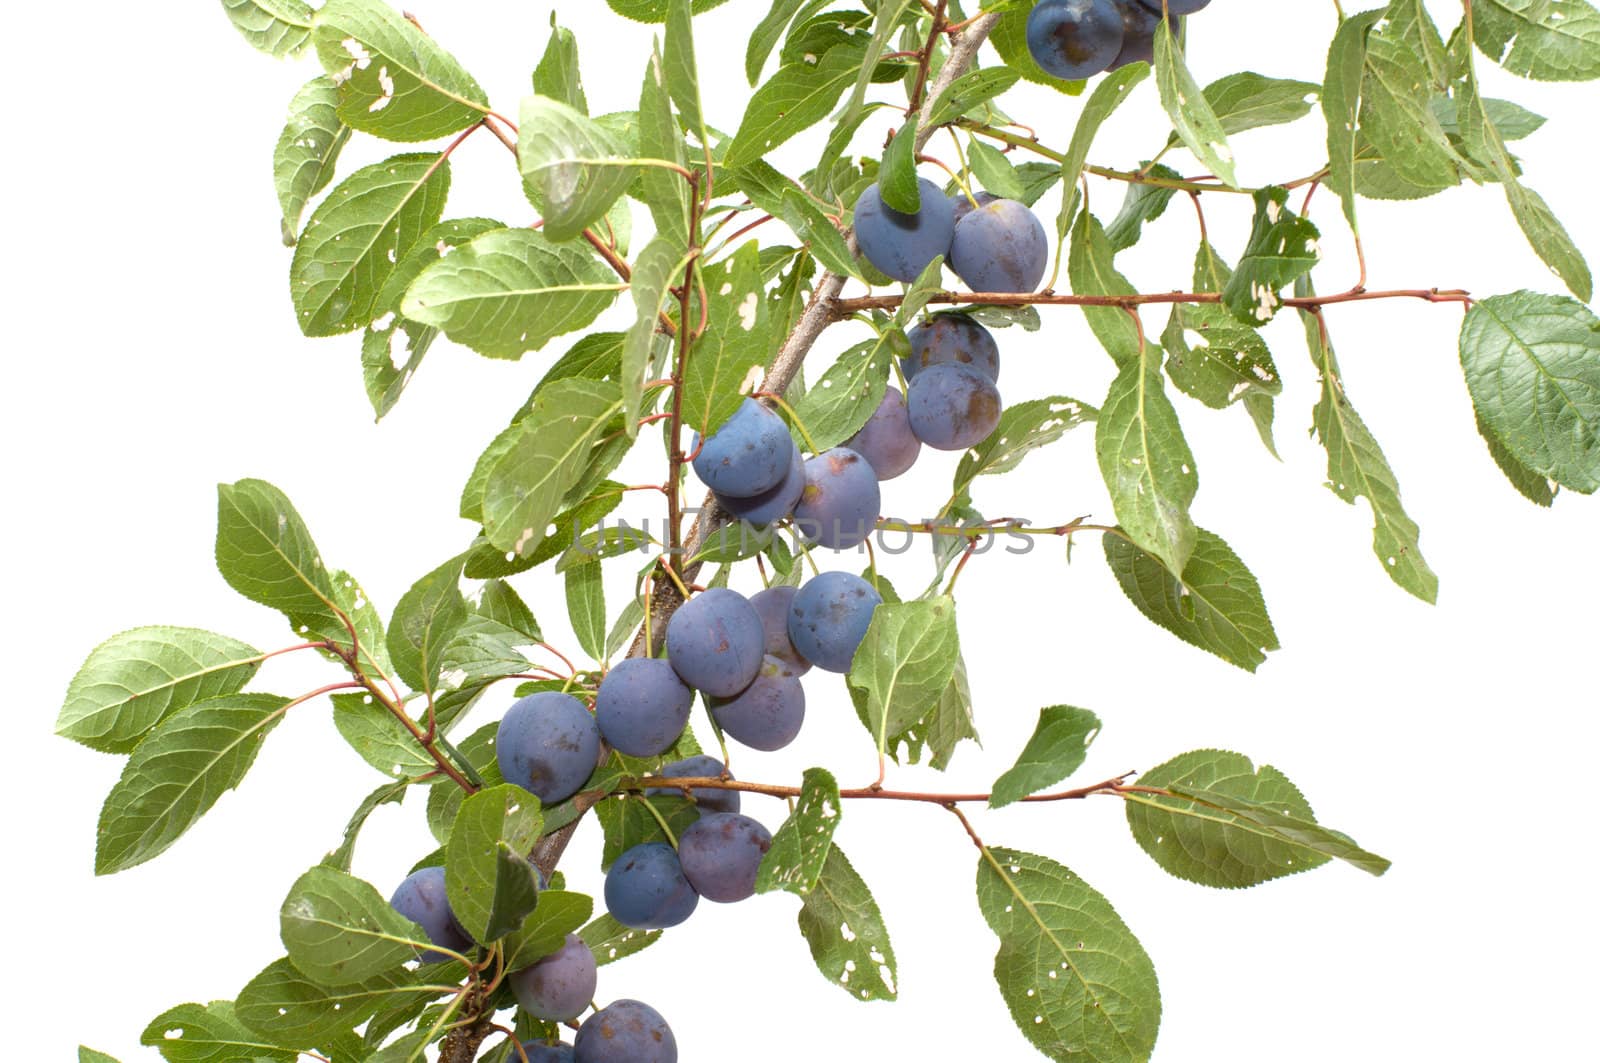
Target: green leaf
1535	488
1059	746
394	81
266	554
1077	982
1146	462
488	879
800	848
731	357
280	28
653	273
904	663
897	175
586	606
378	738
572	168
339	931
425	620
388	794
628	822
1547	40
766	35
1211	356
1023	428
526	487
558	914
133	681
967	93
1102	103
89	1055
797	97
1193	118
290	1010
1397	115
994	171
683	76
511	291
1233	826
191	1033
1141	203
557	74
1342	104
1247	100
665	192
610	941
844	398
846	933
1091	271
349	249
1282	248
655	10
176	774
1532	364
1216	605
499	601
1357	468
307	151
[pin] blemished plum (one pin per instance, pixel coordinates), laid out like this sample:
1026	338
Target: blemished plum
1176	7
839	507
829	618
1074	39
772	505
952	338
962	206
902	245
772	605
705	797
953	407
642	707
715	642
421	899
1138	33
1000	247
748	455
548	744
544	1052
625	1032
560	986
766	715
646	889
886	440
721	854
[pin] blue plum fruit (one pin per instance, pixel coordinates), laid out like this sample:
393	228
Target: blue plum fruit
953	407
560	986
886	440
1138	33
646	890
642	707
1176	7
772	605
952	338
715	641
1000	248
772	505
548	744
839	507
544	1052
902	245
829	618
748	455
698	767
766	715
421	899
721	854
962	206
626	1032
1074	39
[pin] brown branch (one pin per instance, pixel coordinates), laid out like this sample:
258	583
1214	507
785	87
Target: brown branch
1117	785
846	307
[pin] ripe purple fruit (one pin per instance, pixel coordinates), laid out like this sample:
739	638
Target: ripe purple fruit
715	642
839	507
772	605
548	744
962	206
829	618
626	1032
902	245
1138	33
1000	247
1074	39
1176	7
748	455
766	715
642	707
886	440
775	504
721	855
421	899
646	890
544	1052
706	798
953	407
560	986
952	338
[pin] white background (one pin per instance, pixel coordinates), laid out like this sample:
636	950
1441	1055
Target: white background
152	352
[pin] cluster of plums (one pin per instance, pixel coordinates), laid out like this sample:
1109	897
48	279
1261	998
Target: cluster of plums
993	244
558	988
1077	39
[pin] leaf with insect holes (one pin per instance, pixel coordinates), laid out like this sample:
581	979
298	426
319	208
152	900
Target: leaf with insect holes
1247	100
1342	106
210	1033
308	149
1106	98
1023	428
794	99
1282	248
610	941
844	398
968	94
846	933
800	847
1193	118
1547	40
573	168
1146	462
280	28
729	360
290	1010
339	931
